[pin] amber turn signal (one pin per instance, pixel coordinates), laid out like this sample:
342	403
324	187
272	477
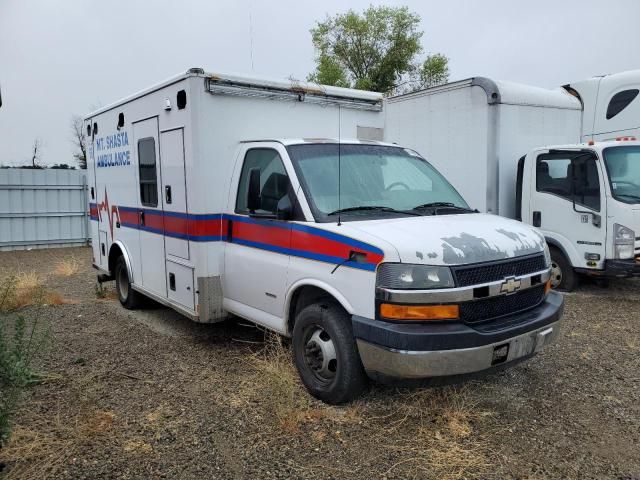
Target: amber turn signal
547	286
419	312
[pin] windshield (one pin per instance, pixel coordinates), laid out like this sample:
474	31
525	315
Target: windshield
375	181
623	166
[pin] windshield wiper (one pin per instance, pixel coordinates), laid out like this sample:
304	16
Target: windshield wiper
628	195
438	205
376	208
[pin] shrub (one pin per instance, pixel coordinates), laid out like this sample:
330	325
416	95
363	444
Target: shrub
22	342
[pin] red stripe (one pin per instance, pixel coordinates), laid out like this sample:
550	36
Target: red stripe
324	246
129	217
207	228
176	225
276	236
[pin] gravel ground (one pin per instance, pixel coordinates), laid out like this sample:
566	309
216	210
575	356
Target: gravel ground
149	394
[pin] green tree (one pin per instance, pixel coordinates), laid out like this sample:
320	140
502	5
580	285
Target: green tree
375	50
434	71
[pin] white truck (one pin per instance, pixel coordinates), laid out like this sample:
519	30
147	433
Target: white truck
585	197
216	195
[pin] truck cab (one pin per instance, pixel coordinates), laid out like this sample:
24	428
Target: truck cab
373	263
585	198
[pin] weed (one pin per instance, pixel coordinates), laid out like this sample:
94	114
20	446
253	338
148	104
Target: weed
66	267
22	344
101	292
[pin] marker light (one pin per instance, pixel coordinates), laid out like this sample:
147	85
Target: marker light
419	312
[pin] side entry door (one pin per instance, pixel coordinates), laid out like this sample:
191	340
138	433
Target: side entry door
258	247
150	215
180	270
568	205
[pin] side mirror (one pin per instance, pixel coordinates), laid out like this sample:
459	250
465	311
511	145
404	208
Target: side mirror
0	97
253	193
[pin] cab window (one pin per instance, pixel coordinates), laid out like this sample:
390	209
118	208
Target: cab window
567	175
274	182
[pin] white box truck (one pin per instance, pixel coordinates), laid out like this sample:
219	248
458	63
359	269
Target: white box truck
584	197
216	195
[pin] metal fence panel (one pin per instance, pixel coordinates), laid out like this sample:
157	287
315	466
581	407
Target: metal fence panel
43	208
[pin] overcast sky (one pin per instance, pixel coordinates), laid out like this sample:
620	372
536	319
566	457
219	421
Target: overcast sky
58	58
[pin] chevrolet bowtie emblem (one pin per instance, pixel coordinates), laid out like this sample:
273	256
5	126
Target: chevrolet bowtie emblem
510	285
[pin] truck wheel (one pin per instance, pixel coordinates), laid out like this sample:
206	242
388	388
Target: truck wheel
128	297
562	275
325	353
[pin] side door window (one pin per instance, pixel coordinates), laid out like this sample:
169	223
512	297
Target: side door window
553	175
569	176
587	182
274	182
148	172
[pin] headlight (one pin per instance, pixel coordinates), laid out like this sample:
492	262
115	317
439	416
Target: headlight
404	276
547	256
623	240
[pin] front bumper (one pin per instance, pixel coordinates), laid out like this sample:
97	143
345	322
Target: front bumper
415	351
615	269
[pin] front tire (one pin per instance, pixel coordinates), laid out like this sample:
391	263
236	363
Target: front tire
563	276
129	298
325	353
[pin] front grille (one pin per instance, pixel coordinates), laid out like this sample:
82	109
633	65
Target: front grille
492	307
492	272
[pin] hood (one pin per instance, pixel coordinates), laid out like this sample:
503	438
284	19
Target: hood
454	239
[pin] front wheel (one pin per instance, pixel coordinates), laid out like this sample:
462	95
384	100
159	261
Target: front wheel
128	297
325	353
562	275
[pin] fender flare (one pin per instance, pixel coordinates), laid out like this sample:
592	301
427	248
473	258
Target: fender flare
552	242
127	259
312	282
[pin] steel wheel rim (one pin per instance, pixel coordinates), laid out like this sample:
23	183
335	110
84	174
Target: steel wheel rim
123	283
556	275
320	354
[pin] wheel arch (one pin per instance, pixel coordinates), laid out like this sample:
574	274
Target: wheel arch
307	291
116	250
552	242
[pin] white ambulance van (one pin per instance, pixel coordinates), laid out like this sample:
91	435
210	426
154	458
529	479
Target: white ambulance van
274	201
512	150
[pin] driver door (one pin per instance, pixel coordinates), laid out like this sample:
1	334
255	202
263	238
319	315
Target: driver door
257	251
568	205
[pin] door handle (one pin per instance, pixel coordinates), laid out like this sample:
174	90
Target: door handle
167	194
141	218
537	219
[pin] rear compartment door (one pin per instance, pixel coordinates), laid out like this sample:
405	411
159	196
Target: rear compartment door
149	213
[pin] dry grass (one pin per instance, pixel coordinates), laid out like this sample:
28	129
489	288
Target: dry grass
66	267
440	439
44	448
27	289
430	433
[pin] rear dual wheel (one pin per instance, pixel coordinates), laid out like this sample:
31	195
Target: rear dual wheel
129	298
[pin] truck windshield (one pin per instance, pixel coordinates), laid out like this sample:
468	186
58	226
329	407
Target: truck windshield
623	166
375	181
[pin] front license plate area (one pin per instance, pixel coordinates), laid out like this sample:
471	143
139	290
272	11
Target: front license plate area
521	347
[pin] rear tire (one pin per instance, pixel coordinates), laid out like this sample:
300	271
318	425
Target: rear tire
326	355
563	277
129	298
